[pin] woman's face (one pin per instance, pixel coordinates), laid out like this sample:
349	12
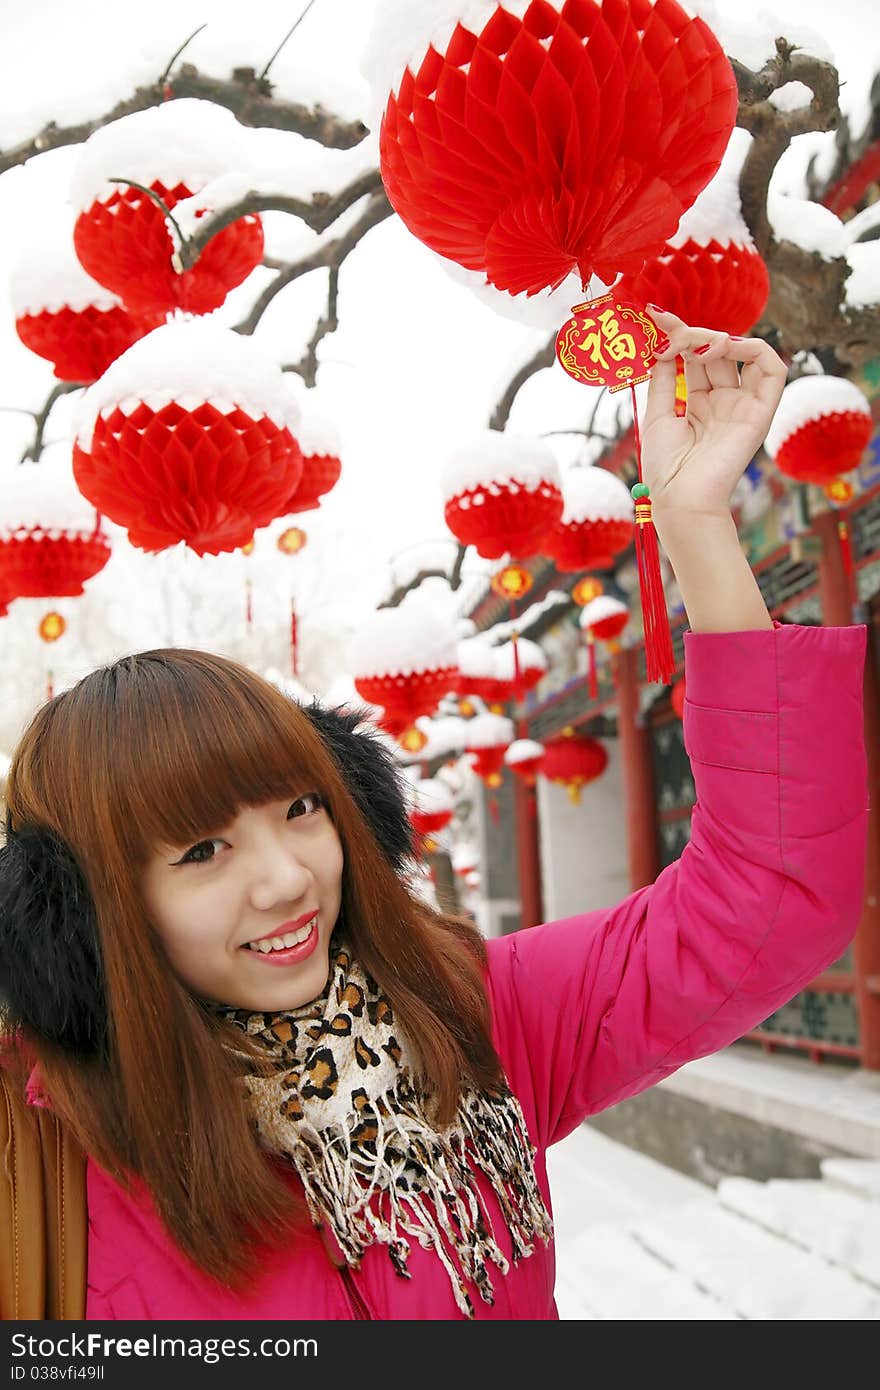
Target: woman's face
275	872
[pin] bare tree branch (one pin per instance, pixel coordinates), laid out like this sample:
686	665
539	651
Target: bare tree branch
544	357
41	418
307	366
319	214
331	255
244	94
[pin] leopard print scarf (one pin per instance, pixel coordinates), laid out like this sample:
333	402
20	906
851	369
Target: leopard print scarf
343	1109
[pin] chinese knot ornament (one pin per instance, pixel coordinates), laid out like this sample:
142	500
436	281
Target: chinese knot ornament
64	315
502	494
123	237
190	436
574	760
527	140
404	659
51	540
597	523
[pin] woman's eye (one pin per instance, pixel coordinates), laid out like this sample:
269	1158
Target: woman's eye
305	805
202	853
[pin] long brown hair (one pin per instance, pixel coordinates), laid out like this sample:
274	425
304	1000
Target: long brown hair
167	747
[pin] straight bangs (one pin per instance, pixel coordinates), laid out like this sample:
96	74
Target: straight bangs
186	740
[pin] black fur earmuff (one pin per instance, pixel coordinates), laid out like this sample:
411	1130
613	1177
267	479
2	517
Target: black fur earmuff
51	967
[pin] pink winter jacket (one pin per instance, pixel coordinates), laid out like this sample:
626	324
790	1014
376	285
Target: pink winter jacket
596	1008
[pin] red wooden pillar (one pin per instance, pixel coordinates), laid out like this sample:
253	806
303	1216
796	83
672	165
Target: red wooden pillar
528	854
836	612
638	775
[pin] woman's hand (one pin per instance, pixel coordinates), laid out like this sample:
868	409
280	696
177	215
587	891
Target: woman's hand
693	462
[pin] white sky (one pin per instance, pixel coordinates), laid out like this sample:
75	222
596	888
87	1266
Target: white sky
417	364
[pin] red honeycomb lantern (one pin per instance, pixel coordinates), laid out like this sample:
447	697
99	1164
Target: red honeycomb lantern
570	137
502	495
404	659
35	563
525	758
82	343
821	429
719	285
206	469
597	523
574	760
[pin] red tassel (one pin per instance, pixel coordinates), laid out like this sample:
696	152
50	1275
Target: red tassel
592	680
248	604
294	646
659	661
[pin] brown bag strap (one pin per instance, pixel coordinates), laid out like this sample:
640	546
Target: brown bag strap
43	1215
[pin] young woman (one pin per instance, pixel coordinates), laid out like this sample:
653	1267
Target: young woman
302	1093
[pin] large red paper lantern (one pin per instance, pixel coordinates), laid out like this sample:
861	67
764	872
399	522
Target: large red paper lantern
597	523
573	760
404	659
568	135
190	436
709	272
821	429
122	236
51	540
502	495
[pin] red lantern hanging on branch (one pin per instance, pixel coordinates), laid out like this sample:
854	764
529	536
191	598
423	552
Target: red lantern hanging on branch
574	760
488	737
602	620
51	541
597	523
404	659
502	495
190	436
568	135
321	448
709	272
432	807
65	316
123	237
525	758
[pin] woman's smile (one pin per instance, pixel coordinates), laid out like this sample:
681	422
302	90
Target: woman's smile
286	947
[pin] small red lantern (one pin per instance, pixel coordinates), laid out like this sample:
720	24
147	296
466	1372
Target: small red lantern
321	449
587	589
513	582
821	429
124	239
525	758
432	809
597	523
574	760
502	495
566	136
413	739
51	541
291	541
404	659
602	619
190	436
52	627
488	738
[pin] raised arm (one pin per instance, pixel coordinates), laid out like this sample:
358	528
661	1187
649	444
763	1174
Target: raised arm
769	890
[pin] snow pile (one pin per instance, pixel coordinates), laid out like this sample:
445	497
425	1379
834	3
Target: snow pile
717	213
401	641
445	735
43	496
494	459
191	361
488	731
595	494
600	608
863	285
548	309
794	96
807	224
810	398
48	276
476	658
753	41
316	433
529	655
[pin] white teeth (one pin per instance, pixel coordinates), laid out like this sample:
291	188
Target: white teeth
282	943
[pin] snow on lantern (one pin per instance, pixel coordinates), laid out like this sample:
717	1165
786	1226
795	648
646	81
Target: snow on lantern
573	760
122	236
432	806
602	619
498	674
502	494
597	522
321	447
709	272
525	757
189	436
51	541
404	659
464	859
488	736
532	139
65	316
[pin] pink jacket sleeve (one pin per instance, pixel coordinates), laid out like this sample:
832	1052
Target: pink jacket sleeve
593	1009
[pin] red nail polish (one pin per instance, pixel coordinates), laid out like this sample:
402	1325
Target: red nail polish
698	352
662	343
657	308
